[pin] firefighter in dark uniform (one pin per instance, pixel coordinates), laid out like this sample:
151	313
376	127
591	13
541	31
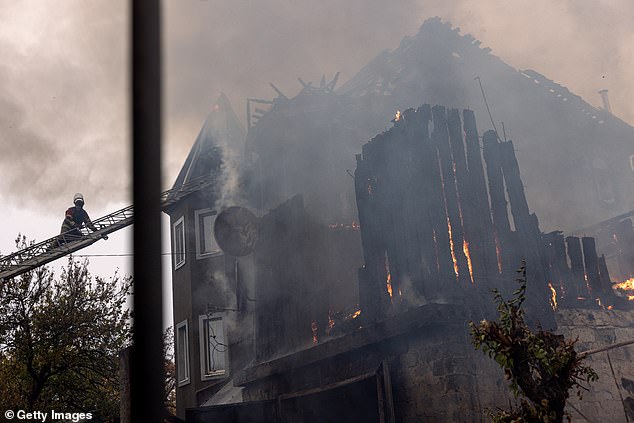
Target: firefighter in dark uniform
75	218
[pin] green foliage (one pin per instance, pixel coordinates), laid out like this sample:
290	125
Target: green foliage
169	398
60	339
541	366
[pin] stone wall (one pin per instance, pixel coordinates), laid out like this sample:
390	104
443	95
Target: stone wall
612	396
442	377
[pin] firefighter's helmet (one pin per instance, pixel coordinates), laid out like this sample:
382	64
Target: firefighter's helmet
78	197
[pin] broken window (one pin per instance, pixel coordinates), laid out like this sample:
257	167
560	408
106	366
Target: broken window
205	241
213	347
182	353
178	235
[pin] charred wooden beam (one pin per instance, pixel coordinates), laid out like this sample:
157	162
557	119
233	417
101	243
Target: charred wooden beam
278	91
578	283
440	139
409	230
604	278
515	189
331	84
425	186
591	264
560	274
470	213
370	292
499	210
433	205
480	196
625	244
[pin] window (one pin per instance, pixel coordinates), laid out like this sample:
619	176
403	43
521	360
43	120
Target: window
213	347
178	235
205	241
632	162
182	353
603	181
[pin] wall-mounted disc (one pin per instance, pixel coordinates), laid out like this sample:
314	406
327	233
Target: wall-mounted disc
236	231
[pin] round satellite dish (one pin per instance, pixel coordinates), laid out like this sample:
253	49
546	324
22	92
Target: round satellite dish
236	231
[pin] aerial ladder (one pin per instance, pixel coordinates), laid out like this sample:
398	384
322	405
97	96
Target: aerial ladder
44	252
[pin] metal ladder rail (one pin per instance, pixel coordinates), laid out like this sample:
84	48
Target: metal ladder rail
60	245
49	250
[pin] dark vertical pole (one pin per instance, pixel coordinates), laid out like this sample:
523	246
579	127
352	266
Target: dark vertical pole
146	364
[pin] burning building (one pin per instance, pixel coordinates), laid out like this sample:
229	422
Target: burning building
352	304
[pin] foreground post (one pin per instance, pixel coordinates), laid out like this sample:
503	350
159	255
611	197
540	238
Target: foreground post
146	364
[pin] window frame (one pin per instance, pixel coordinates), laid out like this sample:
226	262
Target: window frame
202	326
176	255
185	354
200	252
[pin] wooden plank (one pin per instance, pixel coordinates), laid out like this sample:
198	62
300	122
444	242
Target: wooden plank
499	212
435	200
469	212
575	255
421	192
483	230
591	265
604	277
440	138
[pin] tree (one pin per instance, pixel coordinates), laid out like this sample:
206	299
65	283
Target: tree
169	398
60	339
542	366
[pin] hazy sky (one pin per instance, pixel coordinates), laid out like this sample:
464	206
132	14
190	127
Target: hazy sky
64	77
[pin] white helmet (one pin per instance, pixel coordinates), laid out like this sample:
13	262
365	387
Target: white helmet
78	197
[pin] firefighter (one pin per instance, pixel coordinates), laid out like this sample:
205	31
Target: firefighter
73	220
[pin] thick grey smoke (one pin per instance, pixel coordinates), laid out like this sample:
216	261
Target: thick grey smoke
63	117
64	77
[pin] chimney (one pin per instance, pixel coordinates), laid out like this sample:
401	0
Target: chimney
606	100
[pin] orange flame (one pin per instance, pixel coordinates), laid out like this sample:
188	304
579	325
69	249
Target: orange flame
453	253
553	296
397	116
389	284
356	314
627	285
465	248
